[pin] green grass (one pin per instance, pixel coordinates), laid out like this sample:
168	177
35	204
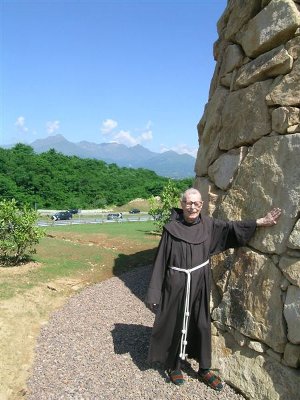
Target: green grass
128	228
90	252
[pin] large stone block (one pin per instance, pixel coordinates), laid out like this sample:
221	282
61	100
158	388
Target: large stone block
209	132
294	129
210	194
292	355
273	26
245	116
290	268
267	178
226	80
239	12
221	265
258	377
294	239
223	170
284	117
292	313
214	83
274	62
232	58
286	91
252	302
293	47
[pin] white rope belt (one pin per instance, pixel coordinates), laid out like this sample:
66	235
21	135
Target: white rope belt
186	315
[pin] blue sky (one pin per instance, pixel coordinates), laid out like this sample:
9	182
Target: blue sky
134	72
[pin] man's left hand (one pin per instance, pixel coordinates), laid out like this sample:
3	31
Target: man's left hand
270	218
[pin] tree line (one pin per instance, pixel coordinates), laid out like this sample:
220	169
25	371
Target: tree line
52	180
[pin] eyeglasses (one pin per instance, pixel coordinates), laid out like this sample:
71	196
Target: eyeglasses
190	203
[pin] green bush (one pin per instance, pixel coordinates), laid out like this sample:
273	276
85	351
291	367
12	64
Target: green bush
161	210
18	232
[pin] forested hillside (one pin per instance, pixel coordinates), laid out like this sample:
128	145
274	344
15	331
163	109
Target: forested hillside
53	180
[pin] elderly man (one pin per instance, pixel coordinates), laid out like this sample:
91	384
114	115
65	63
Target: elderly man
181	282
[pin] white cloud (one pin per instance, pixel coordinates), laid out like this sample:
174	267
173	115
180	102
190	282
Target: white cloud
180	149
108	126
52	126
146	136
20	124
123	136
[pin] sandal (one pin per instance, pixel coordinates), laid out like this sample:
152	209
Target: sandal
211	379
176	377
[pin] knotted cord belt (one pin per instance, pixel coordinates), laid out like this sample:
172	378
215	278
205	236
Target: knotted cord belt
186	315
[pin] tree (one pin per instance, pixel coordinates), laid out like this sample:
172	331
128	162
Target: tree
161	209
54	180
18	232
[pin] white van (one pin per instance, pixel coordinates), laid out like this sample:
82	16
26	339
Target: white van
111	216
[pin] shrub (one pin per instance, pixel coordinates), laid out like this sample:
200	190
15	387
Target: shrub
161	210
18	232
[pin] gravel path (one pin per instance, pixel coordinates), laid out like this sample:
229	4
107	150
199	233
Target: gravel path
95	347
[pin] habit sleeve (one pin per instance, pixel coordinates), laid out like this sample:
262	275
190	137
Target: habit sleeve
158	275
226	235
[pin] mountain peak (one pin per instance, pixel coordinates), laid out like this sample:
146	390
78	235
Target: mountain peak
169	164
50	139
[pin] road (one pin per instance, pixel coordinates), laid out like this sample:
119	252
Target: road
95	219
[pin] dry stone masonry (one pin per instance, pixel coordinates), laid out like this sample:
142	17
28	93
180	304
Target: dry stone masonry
248	162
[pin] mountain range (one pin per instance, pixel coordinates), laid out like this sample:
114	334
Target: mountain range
168	164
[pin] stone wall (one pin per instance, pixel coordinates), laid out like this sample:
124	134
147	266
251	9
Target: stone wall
248	162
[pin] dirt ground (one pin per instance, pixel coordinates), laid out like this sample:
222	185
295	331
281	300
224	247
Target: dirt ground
22	316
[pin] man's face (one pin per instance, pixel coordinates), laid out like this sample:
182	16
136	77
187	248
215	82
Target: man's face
191	207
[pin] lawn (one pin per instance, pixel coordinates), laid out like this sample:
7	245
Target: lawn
88	253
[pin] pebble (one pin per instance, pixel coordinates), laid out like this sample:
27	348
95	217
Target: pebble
95	347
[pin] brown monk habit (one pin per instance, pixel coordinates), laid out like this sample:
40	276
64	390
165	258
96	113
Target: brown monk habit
184	245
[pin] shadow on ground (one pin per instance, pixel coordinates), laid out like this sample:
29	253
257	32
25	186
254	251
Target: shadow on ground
134	340
130	263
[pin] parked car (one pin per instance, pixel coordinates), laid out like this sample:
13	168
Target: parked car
111	216
157	217
73	211
62	215
134	211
